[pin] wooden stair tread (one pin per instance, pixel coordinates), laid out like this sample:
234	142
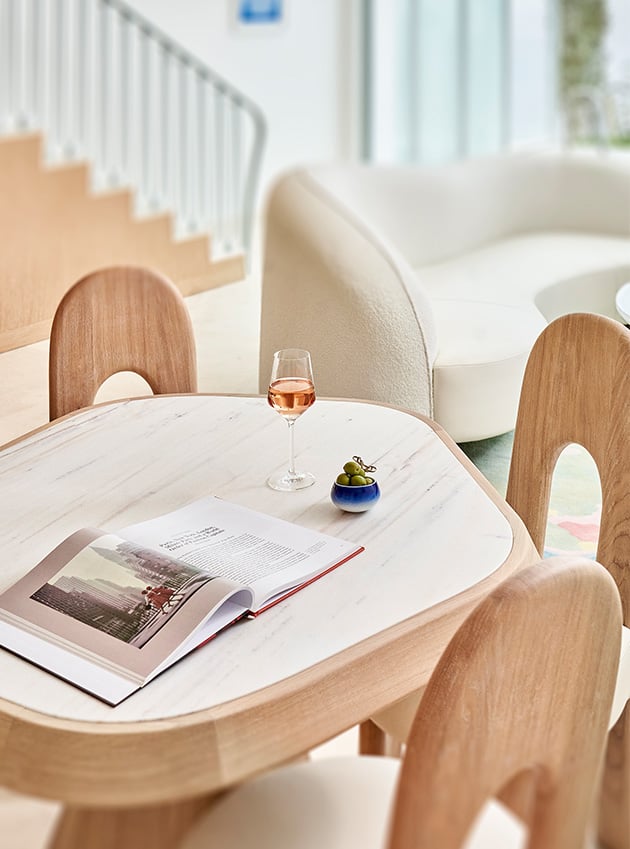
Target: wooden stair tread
225	270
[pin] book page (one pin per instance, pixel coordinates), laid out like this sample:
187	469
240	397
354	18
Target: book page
129	604
119	605
231	542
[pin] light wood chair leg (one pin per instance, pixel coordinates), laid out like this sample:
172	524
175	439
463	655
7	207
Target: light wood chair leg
158	827
371	739
614	803
374	741
393	749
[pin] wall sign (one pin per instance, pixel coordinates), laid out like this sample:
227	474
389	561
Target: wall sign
260	11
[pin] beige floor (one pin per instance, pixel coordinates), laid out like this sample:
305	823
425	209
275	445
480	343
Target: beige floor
226	323
28	823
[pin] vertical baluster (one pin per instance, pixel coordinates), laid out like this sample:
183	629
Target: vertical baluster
124	82
4	55
113	99
68	59
175	167
82	82
202	154
209	156
230	200
133	120
143	95
35	29
54	81
228	154
10	60
17	35
183	145
152	146
59	19
46	65
219	185
165	136
102	126
148	122
237	180
92	89
193	154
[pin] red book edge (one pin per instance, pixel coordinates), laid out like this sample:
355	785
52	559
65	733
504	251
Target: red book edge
306	583
248	614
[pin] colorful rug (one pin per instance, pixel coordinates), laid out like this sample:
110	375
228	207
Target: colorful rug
576	498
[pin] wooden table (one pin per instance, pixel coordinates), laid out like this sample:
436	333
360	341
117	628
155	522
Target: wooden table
270	689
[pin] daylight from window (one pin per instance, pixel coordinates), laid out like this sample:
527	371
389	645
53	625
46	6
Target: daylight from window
455	78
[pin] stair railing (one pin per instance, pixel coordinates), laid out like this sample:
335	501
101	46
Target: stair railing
104	84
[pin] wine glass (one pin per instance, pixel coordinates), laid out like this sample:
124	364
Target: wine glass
291	392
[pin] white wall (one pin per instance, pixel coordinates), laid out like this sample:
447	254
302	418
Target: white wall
300	73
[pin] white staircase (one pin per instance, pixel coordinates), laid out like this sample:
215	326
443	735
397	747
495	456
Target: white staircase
108	108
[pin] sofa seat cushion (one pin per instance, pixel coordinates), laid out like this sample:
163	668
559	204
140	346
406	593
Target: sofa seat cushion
520	269
477	375
491	304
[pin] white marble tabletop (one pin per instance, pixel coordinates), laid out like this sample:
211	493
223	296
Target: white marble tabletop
434	533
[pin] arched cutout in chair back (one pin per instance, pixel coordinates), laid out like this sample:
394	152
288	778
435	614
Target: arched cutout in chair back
576	388
119	319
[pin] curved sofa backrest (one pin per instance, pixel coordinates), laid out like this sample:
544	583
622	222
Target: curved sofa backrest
433	213
337	288
345	244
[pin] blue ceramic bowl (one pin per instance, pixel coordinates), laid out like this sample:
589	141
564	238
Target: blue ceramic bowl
355	499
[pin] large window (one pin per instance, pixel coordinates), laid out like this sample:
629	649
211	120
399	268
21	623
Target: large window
451	78
533	50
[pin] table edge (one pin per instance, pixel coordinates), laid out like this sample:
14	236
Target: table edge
195	736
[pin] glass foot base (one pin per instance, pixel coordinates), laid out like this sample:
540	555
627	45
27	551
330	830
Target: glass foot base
290	483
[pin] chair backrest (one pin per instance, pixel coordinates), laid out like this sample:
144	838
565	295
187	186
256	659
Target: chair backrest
525	686
119	319
576	388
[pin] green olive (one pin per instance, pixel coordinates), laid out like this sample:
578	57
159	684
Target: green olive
358	480
352	468
344	480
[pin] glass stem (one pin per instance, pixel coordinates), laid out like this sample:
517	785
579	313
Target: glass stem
292	472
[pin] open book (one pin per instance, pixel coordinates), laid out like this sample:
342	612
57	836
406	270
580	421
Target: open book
109	612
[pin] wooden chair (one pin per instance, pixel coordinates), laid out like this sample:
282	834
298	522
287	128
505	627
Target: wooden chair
523	689
119	319
576	388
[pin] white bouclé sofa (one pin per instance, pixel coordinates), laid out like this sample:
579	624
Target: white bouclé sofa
426	287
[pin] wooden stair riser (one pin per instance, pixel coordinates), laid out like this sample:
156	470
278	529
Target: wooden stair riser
55	232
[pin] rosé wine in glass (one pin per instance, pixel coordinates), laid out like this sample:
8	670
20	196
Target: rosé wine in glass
291	396
291	393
